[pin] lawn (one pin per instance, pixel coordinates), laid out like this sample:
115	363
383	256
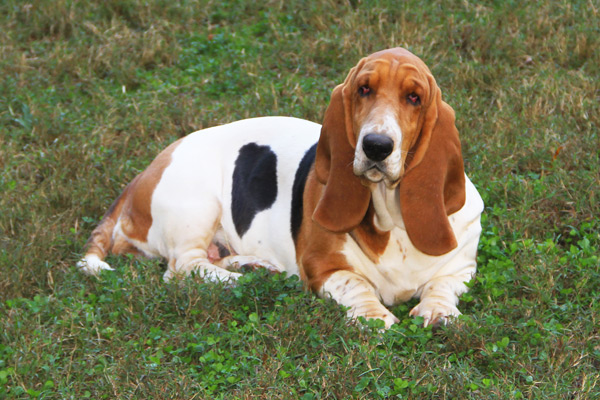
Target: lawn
91	91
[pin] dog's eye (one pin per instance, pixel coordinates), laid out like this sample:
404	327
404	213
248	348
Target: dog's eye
364	91
413	99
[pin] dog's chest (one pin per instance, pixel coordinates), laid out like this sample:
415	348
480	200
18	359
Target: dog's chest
399	272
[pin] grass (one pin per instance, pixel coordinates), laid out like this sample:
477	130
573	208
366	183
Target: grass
91	91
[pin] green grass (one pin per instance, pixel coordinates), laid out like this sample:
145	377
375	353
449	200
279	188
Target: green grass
91	91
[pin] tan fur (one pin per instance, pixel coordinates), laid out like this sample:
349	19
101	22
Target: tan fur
137	218
133	209
343	201
100	241
371	240
317	249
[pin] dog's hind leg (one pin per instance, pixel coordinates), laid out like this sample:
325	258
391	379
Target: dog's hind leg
196	261
237	262
192	231
102	240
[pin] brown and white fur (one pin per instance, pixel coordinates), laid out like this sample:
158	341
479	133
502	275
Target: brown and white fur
378	212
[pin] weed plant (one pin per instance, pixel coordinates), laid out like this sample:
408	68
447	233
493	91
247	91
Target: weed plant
91	91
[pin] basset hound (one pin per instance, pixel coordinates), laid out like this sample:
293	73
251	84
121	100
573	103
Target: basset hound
372	208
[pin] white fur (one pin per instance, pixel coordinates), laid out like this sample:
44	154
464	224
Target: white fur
404	272
356	292
381	123
92	265
191	205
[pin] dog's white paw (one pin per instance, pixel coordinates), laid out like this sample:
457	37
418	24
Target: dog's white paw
206	271
235	263
374	311
389	319
435	311
92	265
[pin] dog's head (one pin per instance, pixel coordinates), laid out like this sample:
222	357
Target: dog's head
387	124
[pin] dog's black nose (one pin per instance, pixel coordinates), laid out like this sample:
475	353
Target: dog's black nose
377	147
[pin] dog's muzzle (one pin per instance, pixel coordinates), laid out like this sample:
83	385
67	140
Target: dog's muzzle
376	160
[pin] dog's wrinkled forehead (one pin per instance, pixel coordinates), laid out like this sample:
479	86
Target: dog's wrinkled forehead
400	55
394	66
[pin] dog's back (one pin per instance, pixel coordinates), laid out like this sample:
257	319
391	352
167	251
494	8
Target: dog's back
230	187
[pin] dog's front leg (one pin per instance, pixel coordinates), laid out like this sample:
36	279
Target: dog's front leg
439	298
354	291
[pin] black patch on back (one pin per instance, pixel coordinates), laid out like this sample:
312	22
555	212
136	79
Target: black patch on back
298	189
254	184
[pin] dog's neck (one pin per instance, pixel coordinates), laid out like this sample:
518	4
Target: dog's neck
386	203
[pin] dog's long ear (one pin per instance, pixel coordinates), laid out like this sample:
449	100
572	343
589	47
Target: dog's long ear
433	185
344	200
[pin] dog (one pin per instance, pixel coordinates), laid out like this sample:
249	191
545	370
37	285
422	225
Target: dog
370	209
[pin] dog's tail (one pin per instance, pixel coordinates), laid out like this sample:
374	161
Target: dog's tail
101	239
